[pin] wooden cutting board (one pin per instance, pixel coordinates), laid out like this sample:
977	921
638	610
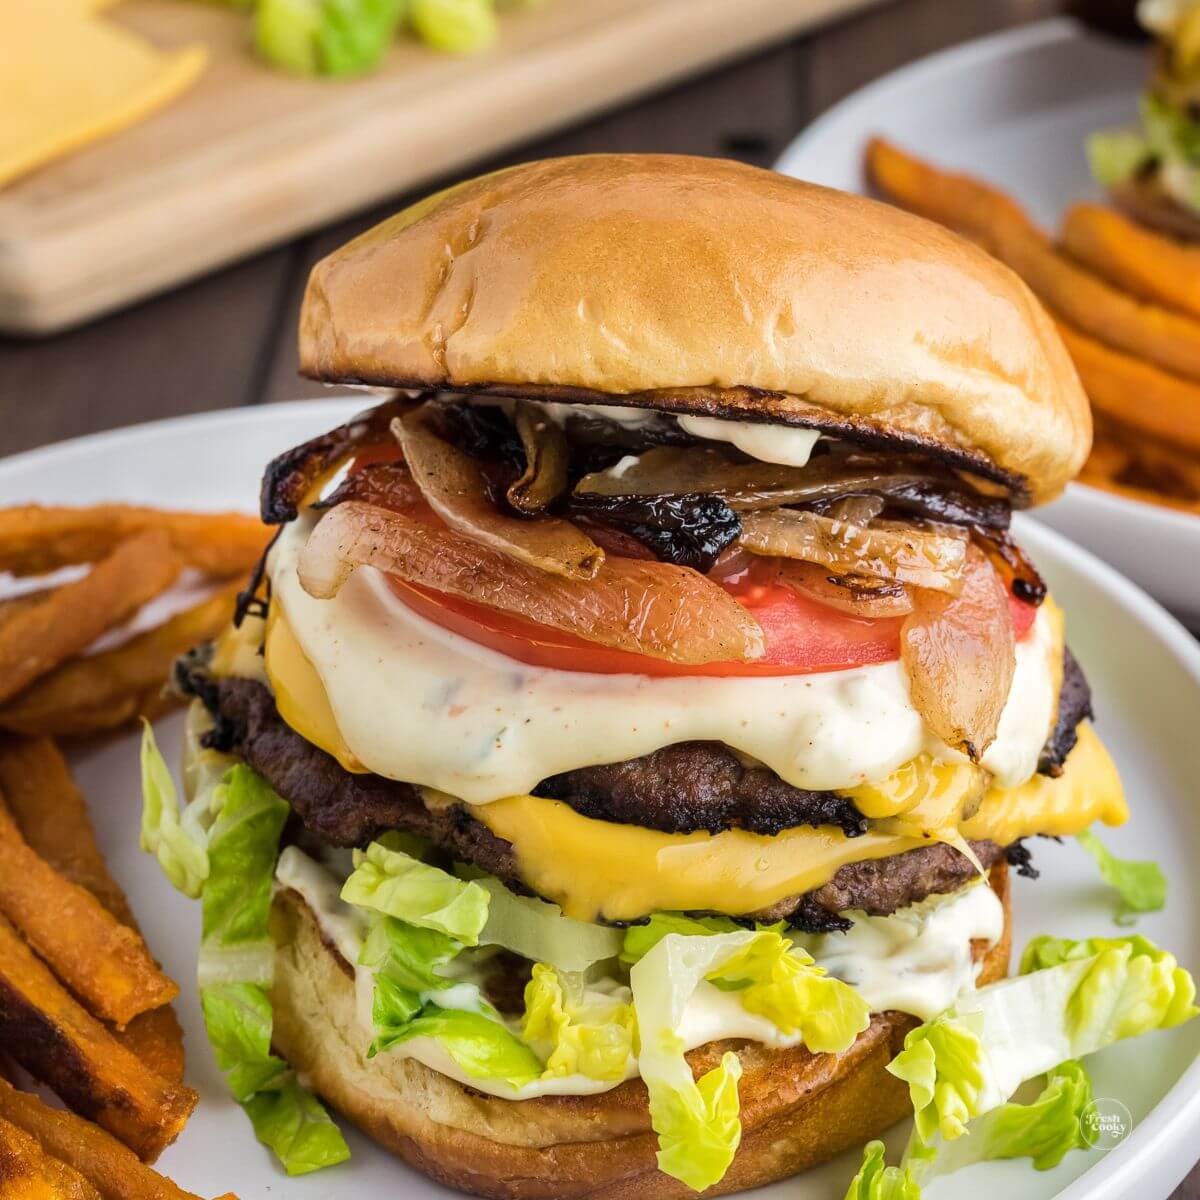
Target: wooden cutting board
251	157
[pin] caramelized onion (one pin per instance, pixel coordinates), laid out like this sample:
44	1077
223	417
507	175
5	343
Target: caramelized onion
389	485
456	489
291	477
960	657
546	454
647	608
916	556
853	594
747	485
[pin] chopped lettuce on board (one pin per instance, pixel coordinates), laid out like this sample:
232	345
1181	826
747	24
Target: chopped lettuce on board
222	848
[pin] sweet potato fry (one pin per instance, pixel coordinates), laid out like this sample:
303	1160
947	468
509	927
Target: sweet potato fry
112	1168
52	816
996	222
35	539
65	1047
108	689
68	621
1128	254
27	1172
103	962
10	606
1134	392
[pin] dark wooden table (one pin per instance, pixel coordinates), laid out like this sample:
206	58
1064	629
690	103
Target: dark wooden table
230	339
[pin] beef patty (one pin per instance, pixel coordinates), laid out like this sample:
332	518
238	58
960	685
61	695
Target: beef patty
348	809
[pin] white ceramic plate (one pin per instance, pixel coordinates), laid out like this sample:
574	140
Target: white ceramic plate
1016	108
1145	671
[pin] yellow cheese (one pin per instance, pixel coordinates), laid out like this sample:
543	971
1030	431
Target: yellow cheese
599	869
69	77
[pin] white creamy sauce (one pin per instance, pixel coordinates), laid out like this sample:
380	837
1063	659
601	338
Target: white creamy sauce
917	960
769	442
416	702
783	444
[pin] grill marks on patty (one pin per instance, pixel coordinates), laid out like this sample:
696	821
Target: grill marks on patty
347	809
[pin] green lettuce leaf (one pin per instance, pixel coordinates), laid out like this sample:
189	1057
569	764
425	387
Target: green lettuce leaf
780	981
641	939
875	1181
404	959
1141	885
1045	1130
182	856
295	1125
456	26
238	1019
593	1038
243	845
478	1042
1172	135
394	883
1089	994
1117	155
538	931
942	1063
326	37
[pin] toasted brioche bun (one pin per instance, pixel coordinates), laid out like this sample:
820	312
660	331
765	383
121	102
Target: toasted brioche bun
698	285
798	1109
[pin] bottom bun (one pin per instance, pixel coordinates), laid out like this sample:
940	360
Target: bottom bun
798	1108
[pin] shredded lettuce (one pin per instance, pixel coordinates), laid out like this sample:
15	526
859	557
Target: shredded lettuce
1117	155
394	883
326	37
594	1037
1142	886
875	1181
781	982
1078	998
182	856
697	1120
238	1019
538	931
478	1042
456	26
641	939
295	1125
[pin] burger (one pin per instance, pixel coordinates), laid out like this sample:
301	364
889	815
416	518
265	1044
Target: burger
613	780
1154	171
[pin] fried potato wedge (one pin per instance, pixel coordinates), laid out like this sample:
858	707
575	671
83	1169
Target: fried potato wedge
27	1172
64	1046
103	691
113	1169
35	539
104	963
67	621
993	219
52	815
1135	392
1126	253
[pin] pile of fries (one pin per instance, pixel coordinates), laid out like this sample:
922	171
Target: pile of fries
85	1010
48	684
1127	301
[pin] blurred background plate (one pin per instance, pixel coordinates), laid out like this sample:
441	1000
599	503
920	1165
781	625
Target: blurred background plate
1145	672
1015	109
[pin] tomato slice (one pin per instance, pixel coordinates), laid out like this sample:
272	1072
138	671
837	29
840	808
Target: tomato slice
802	635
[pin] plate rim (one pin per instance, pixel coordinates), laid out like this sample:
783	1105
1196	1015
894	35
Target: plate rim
1163	1130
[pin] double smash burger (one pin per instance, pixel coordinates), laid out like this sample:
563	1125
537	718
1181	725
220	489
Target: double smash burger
660	700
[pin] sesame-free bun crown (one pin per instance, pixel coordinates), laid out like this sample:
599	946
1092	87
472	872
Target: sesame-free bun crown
701	285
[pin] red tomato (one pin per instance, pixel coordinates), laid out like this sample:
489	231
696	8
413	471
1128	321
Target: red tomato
802	635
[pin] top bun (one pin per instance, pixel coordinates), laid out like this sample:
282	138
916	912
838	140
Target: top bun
701	285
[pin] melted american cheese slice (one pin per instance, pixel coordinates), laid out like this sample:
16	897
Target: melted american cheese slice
69	77
621	872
